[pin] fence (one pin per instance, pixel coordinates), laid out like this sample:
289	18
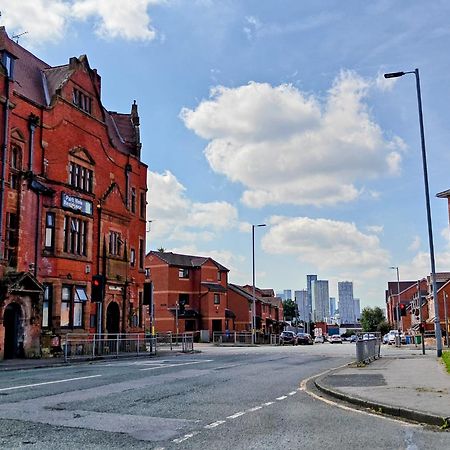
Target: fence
368	347
91	346
244	338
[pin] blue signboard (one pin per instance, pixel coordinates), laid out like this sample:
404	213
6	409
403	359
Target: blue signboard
76	203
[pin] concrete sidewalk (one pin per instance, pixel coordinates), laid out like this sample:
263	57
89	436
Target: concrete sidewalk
402	383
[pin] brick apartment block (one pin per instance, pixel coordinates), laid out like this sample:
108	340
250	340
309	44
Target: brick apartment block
72	204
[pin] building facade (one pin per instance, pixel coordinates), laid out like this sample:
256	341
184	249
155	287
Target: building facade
72	205
309	280
346	302
301	298
321	300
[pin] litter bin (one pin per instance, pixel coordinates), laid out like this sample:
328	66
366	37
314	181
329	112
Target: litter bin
408	340
418	339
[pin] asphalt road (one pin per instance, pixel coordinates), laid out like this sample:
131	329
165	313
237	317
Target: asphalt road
221	398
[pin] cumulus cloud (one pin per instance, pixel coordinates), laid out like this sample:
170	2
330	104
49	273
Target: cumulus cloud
177	218
328	245
286	146
415	244
375	228
43	19
47	20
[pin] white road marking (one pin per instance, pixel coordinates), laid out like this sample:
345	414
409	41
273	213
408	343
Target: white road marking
268	403
235	416
176	365
214	424
282	397
254	409
292	393
185	437
48	382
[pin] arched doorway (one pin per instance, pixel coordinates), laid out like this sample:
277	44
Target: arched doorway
12	321
113	318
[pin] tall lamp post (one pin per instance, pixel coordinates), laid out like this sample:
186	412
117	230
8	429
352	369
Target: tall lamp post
253	278
437	323
397	308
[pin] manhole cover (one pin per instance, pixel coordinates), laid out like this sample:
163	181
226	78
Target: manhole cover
356	380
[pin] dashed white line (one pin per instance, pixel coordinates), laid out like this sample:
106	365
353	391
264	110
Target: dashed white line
282	397
268	403
185	437
292	393
176	365
235	416
48	382
214	424
255	408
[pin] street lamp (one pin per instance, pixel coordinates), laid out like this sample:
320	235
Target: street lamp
398	297
437	324
253	272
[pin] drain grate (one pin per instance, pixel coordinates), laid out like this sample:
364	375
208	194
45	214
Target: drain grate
356	380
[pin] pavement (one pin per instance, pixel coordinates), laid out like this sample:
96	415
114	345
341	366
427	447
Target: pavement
403	383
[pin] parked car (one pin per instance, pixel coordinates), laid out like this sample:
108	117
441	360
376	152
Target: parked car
304	338
353	338
335	339
368	336
319	340
288	337
391	336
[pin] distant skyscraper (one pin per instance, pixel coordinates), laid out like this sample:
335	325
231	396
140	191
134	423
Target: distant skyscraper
301	298
309	280
281	295
288	294
346	302
332	306
357	308
321	300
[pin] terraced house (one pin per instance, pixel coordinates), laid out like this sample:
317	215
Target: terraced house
72	206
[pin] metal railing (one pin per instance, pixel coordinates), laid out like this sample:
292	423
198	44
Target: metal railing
92	346
244	338
368	347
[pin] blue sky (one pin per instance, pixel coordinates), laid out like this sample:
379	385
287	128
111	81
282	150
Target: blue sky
274	112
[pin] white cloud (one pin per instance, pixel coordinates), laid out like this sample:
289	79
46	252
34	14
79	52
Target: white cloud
385	84
415	244
375	228
328	245
117	18
286	146
177	218
40	19
47	20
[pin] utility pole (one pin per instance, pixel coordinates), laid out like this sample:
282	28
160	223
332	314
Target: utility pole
420	317
447	342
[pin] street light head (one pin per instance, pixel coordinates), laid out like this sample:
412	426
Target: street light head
262	225
392	267
394	74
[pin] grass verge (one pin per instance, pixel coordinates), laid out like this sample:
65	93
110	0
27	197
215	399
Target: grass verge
446	360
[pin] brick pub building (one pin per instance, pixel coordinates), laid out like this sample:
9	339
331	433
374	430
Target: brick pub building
72	205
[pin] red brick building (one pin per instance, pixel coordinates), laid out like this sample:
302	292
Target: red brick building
190	288
72	204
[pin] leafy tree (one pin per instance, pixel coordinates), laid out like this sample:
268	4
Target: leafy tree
372	318
161	249
383	327
290	309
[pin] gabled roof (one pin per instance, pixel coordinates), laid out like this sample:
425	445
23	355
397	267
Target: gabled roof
188	261
245	291
39	82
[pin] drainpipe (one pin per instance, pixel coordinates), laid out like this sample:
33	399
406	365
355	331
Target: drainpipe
36	234
3	156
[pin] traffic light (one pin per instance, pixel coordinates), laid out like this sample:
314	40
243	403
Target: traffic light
402	309
422	328
97	288
181	305
148	288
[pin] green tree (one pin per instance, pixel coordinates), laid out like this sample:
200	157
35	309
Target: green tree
161	249
383	327
372	318
290	309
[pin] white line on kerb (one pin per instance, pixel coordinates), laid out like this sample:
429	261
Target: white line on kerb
48	382
214	424
282	397
235	416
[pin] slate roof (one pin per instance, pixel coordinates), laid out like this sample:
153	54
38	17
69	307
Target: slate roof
39	82
214	287
178	260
